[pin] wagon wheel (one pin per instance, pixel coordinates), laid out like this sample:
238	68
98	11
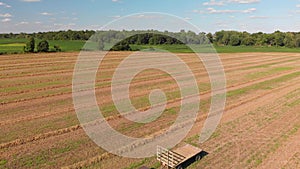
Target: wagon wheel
179	167
198	157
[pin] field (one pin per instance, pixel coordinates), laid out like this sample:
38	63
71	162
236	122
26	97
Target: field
10	46
259	128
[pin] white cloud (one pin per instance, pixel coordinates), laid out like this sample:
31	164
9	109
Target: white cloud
115	0
31	0
244	1
187	18
6	20
5	5
58	24
298	6
249	10
222	24
213	3
224	2
258	17
116	16
6	15
142	16
215	11
197	11
22	23
65	18
46	14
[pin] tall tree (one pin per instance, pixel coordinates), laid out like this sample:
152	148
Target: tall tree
43	46
30	45
101	45
297	41
248	41
226	38
235	40
289	40
279	38
210	37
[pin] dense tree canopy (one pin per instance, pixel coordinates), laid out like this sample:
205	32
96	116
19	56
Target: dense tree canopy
234	38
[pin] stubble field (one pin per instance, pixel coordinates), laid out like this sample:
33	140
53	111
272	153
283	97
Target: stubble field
259	128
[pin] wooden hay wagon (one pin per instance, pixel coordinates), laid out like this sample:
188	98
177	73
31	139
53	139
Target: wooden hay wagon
176	158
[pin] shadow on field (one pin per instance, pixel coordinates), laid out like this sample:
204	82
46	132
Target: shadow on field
192	160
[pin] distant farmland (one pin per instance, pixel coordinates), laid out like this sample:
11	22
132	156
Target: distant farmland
11	46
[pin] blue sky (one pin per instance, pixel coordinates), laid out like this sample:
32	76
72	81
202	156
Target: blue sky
207	15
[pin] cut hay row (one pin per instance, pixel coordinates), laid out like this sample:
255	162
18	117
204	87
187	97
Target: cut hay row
32	90
39	137
62	93
229	66
109	70
231	107
203	95
113	60
30	118
88	162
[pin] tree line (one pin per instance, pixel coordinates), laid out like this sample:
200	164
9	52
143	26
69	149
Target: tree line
220	38
43	46
153	37
234	38
52	35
